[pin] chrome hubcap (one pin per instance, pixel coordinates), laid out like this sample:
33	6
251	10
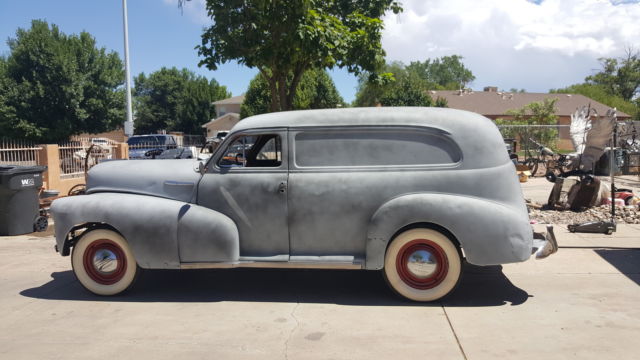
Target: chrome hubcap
105	261
422	264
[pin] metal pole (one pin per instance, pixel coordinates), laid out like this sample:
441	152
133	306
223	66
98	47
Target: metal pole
128	125
611	165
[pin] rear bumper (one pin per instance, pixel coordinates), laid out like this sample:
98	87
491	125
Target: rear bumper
544	244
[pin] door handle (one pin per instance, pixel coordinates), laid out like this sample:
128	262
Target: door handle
282	187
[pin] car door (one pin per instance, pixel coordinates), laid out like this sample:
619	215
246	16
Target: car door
247	181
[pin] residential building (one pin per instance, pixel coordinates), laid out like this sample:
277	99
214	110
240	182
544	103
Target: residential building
496	104
227	115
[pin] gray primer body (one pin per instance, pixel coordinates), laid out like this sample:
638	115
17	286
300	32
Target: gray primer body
172	215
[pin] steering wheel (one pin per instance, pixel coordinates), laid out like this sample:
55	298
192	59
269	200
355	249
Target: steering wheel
239	159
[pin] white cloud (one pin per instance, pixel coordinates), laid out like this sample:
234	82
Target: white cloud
195	10
515	43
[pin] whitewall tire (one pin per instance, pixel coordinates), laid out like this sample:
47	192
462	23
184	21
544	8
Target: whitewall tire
422	265
103	262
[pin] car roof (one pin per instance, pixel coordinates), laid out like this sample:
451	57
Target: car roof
391	116
477	136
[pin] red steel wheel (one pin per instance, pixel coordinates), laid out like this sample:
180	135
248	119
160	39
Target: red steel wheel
103	262
422	265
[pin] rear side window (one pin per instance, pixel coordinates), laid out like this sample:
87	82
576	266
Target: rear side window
372	147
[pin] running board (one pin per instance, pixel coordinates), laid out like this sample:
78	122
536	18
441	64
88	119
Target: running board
275	265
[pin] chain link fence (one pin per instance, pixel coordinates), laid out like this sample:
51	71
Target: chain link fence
527	139
543	147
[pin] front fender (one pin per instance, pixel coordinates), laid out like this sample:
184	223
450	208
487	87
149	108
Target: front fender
490	233
152	226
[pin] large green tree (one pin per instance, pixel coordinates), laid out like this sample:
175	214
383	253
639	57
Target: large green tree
620	76
444	73
54	85
601	94
175	100
410	84
316	90
284	39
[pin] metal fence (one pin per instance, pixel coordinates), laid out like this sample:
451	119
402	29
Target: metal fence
191	140
629	136
80	154
19	152
528	138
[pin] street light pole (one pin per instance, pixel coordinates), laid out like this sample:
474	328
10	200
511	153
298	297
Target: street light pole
128	125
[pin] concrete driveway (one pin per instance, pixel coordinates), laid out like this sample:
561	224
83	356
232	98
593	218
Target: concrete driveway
581	303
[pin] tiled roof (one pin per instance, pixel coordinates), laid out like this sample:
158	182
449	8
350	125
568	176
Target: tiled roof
232	100
233	116
491	103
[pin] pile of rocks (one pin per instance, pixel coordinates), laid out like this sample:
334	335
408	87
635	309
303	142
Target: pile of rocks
624	215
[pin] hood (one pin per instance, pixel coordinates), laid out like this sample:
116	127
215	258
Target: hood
172	179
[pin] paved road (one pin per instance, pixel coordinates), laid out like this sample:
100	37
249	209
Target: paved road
581	303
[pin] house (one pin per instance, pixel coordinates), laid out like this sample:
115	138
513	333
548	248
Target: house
495	104
228	114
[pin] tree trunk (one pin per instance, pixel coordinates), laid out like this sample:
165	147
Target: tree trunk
282	92
275	104
293	87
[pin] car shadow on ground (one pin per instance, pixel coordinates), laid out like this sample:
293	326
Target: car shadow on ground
627	261
480	286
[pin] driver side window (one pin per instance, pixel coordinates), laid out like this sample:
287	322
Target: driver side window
253	151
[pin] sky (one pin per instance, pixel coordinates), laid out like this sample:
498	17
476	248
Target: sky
535	45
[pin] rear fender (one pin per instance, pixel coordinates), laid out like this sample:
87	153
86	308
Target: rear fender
489	233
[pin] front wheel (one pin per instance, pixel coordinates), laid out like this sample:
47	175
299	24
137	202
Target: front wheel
532	165
422	265
103	262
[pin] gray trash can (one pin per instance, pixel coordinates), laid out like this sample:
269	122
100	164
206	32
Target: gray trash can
19	204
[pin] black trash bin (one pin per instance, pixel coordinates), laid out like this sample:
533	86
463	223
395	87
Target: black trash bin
19	204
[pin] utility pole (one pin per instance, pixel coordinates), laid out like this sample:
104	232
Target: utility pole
128	124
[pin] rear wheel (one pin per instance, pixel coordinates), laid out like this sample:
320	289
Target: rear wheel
103	262
422	265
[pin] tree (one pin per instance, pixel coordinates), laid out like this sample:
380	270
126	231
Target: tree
54	85
409	84
445	73
284	39
370	92
175	100
535	113
405	91
601	94
621	76
316	90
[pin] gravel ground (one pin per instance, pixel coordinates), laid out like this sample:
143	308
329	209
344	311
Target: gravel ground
623	215
538	190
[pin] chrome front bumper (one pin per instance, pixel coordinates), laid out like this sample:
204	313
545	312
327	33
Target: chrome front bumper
544	244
